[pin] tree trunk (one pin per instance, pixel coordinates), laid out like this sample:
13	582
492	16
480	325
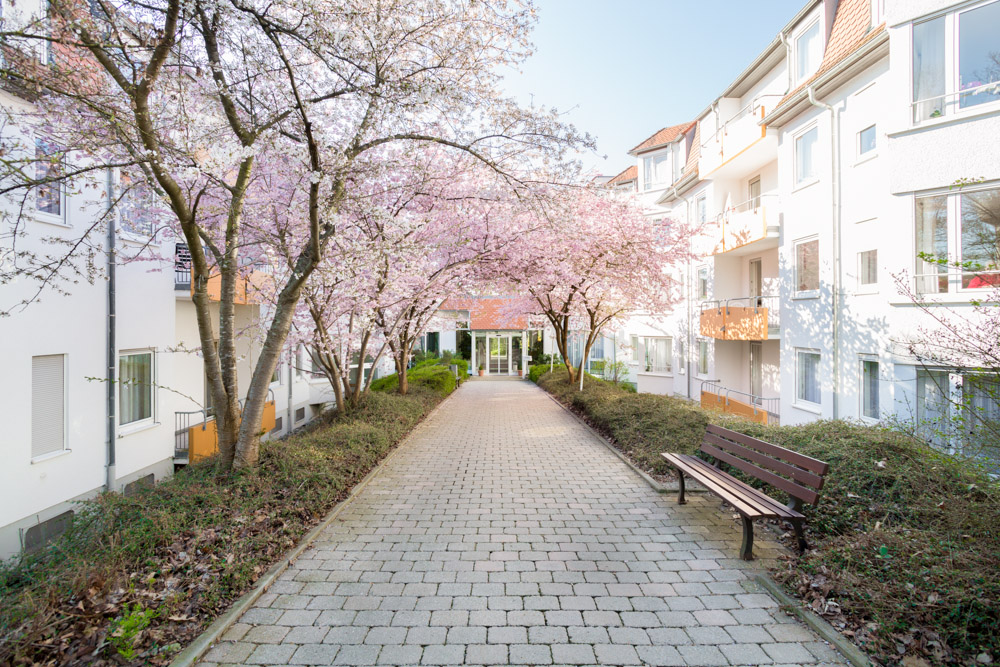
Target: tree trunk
404	382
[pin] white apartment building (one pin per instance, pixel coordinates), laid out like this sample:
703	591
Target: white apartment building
819	175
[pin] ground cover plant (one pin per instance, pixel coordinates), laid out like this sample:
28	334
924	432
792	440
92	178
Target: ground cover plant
905	541
136	577
431	373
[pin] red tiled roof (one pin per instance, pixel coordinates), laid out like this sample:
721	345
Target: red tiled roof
629	174
664	136
851	30
692	162
489	312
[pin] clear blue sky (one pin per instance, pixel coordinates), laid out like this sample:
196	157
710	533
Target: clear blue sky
623	69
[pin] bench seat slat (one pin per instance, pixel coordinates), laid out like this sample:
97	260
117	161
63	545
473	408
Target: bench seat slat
806	494
767	505
798	474
716	484
801	460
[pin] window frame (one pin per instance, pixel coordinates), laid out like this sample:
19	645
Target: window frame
703	354
808	293
951	104
863	155
813	67
136	195
65	449
60	218
869	287
862	360
797	183
701	209
669	355
636	356
801	401
703	283
663	155
144	422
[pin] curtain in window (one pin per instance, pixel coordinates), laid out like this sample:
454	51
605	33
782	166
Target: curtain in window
869	389
981	238
808	384
658	353
932	242
135	388
979	55
807	266
928	69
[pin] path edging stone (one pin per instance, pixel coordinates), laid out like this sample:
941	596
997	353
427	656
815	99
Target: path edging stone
659	487
194	651
816	622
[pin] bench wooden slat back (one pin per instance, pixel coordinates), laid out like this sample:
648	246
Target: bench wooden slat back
729	446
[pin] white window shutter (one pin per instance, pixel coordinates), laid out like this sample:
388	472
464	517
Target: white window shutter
48	404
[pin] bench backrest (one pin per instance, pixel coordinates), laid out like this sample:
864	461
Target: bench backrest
800	476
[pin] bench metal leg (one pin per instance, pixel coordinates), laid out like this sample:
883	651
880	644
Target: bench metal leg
799	535
680	481
746	551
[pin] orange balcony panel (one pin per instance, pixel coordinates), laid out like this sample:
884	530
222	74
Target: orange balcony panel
740	228
744	323
248	288
203	439
713	323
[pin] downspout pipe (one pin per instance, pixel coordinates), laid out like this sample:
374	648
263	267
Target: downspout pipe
111	351
688	296
788	59
835	223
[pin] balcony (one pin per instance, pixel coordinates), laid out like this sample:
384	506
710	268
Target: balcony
248	287
748	222
755	408
740	318
196	435
741	142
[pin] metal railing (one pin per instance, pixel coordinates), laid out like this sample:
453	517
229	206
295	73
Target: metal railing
182	267
753	204
759	404
182	431
752	108
946	104
770	302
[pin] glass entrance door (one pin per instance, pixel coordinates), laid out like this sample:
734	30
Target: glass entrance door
500	355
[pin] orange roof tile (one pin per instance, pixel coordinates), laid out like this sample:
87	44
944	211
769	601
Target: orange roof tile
664	136
489	312
692	162
628	174
851	30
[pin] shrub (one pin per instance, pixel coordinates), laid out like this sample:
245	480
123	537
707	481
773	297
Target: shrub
428	373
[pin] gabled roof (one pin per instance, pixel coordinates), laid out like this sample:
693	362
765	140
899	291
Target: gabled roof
661	138
489	312
852	29
692	162
629	174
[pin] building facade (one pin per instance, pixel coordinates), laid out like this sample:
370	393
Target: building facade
852	148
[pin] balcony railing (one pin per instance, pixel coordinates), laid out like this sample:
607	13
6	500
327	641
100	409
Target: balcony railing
736	134
740	318
954	102
182	267
756	408
746	222
196	436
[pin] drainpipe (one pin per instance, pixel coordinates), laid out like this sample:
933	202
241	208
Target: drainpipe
788	60
690	337
835	222
110	325
291	379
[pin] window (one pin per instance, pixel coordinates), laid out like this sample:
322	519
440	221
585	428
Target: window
659	354
136	207
948	78
656	170
135	387
807	388
703	357
701	206
634	342
48	404
933	389
866	140
868	267
808	51
48	168
300	414
807	266
869	389
753	200
315	367
276	375
703	282
805	156
969	219
278	424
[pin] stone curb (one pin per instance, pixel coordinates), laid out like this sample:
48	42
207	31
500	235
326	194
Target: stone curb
657	486
817	623
203	642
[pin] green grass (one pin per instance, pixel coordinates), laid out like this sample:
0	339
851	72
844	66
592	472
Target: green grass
906	541
430	373
189	546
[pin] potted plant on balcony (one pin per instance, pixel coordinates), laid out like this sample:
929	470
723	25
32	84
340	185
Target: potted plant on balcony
482	369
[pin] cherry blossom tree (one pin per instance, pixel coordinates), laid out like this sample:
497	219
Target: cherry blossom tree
209	104
595	260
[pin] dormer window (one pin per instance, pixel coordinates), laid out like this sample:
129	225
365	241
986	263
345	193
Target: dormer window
808	51
661	169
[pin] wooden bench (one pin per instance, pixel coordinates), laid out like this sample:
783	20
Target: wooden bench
802	479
